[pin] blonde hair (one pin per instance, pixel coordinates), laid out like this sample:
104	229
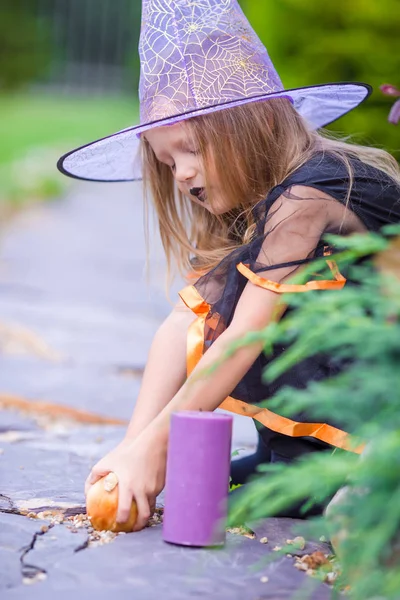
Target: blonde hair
253	148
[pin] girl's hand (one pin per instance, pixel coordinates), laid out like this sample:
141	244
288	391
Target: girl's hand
140	467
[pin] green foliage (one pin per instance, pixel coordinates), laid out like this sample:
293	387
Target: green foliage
37	129
312	42
24	45
37	120
359	324
31	178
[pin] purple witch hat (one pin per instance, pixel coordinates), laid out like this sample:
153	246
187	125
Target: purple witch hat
197	57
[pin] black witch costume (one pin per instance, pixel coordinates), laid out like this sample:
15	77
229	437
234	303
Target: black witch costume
275	253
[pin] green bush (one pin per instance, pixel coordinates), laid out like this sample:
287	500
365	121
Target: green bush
24	45
312	42
359	324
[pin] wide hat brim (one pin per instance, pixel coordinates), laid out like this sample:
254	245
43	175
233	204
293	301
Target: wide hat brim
116	157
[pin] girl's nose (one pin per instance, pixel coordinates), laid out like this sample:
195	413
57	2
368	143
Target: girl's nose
184	172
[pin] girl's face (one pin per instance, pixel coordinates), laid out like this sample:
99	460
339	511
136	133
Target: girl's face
174	146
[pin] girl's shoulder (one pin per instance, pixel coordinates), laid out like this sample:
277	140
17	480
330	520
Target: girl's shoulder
326	169
374	195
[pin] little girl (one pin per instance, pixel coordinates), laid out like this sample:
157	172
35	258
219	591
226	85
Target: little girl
245	189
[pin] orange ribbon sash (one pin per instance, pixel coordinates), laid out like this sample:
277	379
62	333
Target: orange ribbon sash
282	288
279	424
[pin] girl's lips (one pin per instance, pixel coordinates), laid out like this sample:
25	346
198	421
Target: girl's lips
199	193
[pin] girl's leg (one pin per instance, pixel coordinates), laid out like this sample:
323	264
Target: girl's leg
243	468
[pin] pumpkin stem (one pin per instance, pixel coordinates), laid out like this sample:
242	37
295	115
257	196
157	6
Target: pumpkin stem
110	482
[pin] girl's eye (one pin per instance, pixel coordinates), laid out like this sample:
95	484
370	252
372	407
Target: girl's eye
173	167
195	152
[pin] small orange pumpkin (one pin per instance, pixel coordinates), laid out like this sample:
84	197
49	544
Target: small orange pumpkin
102	505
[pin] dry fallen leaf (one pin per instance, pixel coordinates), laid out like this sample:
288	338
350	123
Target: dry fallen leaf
244	531
298	542
313	564
315	560
15	339
51	412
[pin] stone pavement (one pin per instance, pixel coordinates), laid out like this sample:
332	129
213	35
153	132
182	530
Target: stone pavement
77	316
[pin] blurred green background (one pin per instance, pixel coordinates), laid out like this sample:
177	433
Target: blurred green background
311	42
69	73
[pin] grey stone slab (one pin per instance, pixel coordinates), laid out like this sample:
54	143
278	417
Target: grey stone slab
279	530
86	333
50	549
6	504
47	468
33	478
16	534
10	570
86	441
15	421
27	548
98	390
16	531
89	248
143	566
73	272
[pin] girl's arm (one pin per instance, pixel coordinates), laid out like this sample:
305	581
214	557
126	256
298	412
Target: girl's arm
295	228
165	370
164	374
140	464
207	392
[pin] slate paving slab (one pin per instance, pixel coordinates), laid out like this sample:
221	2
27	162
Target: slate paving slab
73	282
34	478
279	530
140	562
48	469
88	249
16	534
30	548
101	390
131	561
50	548
143	565
81	333
73	273
11	420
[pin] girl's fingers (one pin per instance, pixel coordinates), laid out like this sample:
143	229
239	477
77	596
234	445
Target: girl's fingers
144	511
124	503
90	480
94	476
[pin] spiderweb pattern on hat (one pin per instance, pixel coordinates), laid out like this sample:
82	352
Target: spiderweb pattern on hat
194	54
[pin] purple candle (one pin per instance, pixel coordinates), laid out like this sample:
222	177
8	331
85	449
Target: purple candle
197	480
